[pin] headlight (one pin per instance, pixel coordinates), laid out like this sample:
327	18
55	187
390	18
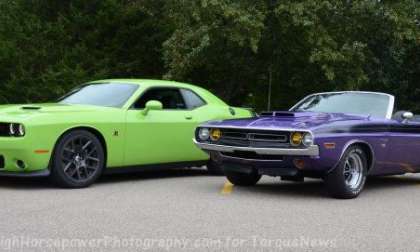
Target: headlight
204	134
296	138
308	139
16	129
215	134
21	130
12	129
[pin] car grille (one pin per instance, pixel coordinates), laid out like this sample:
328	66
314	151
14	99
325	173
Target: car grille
252	156
4	129
254	138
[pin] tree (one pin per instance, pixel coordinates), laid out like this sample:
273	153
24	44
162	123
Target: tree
47	47
305	46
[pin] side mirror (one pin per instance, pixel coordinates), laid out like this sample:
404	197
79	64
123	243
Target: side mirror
152	105
407	116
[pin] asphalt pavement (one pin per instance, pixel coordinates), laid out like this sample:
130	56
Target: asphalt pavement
190	210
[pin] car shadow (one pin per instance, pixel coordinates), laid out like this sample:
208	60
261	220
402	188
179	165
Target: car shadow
25	183
316	188
45	183
147	175
307	189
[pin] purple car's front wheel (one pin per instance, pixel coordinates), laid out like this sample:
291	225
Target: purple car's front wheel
347	180
353	170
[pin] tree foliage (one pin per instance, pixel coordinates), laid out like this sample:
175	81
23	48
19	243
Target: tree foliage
234	48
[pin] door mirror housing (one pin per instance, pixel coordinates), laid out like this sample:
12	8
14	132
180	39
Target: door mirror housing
152	105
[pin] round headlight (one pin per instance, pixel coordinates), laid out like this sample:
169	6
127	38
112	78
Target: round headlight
204	134
21	130
296	138
215	134
308	139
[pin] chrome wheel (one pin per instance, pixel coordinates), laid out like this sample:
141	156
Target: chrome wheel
80	158
353	170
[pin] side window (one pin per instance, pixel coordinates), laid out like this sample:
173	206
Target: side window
170	98
192	99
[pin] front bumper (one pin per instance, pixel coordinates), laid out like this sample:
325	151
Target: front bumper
312	150
18	150
270	161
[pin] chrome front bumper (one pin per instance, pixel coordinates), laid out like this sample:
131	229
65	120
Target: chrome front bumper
312	150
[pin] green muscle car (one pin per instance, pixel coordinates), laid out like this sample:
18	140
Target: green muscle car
108	126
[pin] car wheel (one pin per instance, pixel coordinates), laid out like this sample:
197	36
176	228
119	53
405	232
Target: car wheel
214	168
349	177
78	160
243	179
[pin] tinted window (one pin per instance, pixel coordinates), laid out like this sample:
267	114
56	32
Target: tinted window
352	103
192	99
105	94
170	98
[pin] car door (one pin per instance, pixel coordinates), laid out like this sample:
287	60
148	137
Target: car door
404	145
199	111
160	136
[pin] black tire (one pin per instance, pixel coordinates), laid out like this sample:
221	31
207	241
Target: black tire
243	179
213	168
78	160
342	183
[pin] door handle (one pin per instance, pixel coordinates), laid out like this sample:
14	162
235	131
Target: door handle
188	117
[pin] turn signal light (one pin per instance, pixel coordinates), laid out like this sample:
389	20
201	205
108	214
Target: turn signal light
299	163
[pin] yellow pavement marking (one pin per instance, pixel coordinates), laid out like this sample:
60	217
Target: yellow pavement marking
227	188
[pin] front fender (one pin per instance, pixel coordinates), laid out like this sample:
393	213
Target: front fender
333	147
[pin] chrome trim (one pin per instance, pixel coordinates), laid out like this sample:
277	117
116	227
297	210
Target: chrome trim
390	104
312	150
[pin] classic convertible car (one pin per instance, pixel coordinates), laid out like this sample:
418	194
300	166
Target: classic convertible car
108	125
341	137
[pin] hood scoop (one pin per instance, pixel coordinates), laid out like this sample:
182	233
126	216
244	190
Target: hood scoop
30	108
297	116
278	114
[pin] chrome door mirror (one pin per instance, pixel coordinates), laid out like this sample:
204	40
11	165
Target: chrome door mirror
407	116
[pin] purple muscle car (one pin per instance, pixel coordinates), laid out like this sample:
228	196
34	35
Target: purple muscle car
341	137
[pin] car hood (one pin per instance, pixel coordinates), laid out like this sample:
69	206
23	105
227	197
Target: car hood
288	120
19	113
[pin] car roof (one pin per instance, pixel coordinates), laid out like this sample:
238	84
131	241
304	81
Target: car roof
148	82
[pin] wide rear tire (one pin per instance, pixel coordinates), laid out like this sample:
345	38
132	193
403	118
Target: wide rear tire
347	180
78	160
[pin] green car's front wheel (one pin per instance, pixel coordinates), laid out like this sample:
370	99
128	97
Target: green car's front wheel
78	160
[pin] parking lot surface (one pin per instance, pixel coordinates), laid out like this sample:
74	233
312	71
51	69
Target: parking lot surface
190	210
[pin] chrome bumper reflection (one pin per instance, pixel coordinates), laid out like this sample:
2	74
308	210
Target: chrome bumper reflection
312	150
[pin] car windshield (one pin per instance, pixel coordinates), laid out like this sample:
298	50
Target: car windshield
101	94
359	103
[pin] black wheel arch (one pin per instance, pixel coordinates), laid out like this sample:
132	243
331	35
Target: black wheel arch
91	130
